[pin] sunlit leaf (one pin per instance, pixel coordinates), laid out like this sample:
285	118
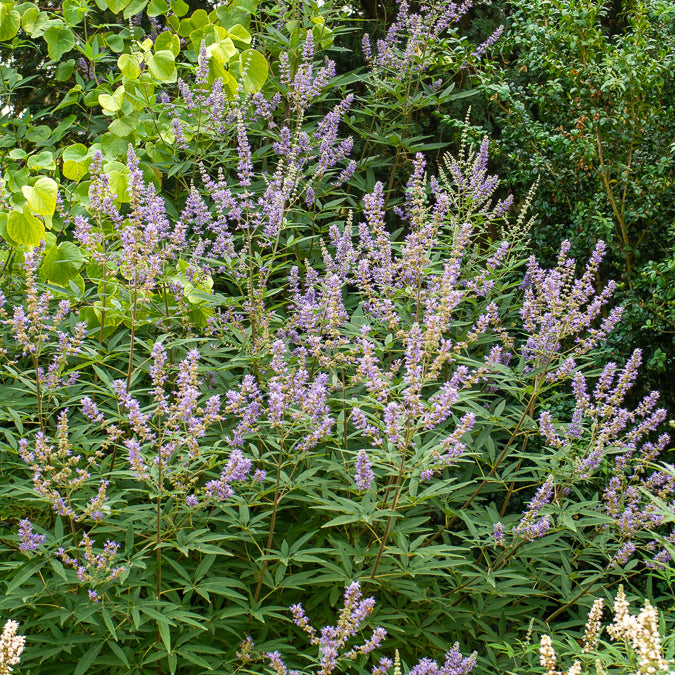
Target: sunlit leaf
41	197
75	161
162	65
116	6
130	65
253	70
24	228
112	102
10	20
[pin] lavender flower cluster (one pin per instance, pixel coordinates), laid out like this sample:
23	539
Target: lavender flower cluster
412	35
147	240
94	569
303	160
37	329
332	642
59	474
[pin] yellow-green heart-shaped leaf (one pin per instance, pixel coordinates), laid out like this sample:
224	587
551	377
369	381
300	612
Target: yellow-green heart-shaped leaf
43	160
64	70
75	161
35	22
168	40
113	102
116	6
157	7
199	18
119	184
222	51
10	20
253	70
134	8
162	65
239	34
180	8
74	11
130	65
24	228
41	197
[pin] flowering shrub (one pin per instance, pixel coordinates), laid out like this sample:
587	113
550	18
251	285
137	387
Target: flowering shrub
227	380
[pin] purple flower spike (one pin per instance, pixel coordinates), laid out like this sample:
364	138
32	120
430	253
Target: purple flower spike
30	541
364	474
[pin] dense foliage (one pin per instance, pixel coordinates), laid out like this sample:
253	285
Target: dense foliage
252	367
581	99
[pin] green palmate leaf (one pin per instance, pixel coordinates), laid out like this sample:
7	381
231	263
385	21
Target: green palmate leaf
88	659
41	196
253	70
75	161
162	65
60	40
107	620
117	648
24	228
165	633
10	20
113	102
130	65
64	125
62	263
139	92
26	572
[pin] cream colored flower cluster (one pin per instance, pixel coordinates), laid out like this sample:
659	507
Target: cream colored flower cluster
11	647
640	632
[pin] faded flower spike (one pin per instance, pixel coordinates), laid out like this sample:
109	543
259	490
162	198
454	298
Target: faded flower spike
593	626
11	647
